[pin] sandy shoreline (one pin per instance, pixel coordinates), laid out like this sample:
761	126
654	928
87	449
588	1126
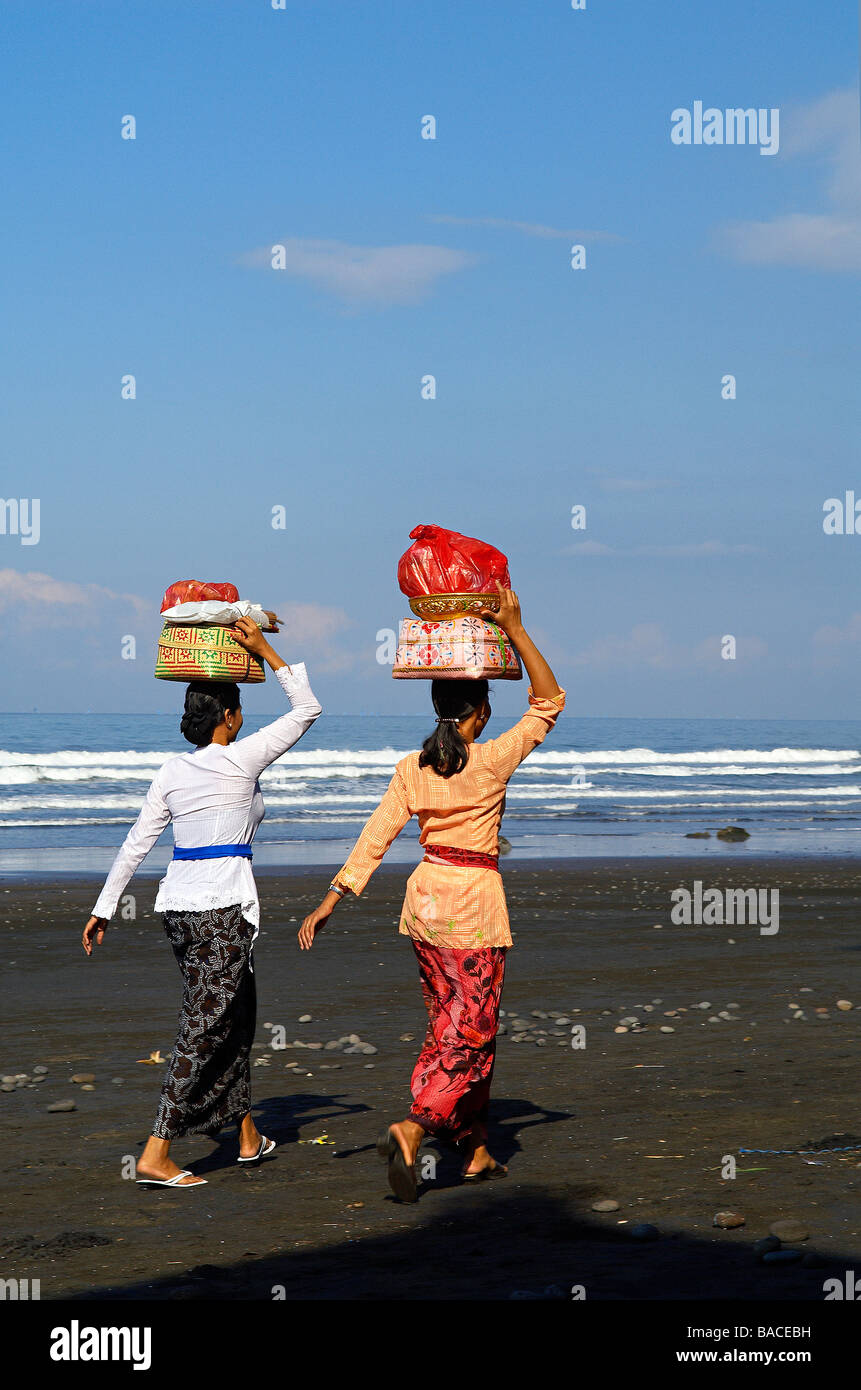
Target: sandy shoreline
642	1117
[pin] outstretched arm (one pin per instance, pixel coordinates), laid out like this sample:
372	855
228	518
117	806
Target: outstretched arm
384	826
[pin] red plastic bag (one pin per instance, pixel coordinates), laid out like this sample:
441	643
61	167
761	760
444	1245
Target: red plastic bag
197	591
445	562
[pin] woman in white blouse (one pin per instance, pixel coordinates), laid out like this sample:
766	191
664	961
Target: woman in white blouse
209	901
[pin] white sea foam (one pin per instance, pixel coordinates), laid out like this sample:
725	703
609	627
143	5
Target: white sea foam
70	757
656	794
73	757
524	793
755	756
384	759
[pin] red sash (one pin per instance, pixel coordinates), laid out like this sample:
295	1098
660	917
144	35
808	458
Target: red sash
461	858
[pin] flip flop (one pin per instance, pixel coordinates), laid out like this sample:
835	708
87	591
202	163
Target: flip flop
486	1174
402	1178
173	1182
266	1147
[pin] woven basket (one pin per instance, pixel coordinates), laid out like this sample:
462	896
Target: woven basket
454	649
198	653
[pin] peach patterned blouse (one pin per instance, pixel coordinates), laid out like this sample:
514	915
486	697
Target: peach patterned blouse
448	905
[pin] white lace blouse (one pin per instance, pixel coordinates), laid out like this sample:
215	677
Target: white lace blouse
212	796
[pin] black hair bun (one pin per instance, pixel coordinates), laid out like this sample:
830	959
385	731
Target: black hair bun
205	704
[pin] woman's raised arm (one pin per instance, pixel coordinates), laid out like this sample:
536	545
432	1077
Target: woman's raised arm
544	684
259	750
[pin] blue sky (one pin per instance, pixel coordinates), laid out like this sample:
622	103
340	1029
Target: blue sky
408	256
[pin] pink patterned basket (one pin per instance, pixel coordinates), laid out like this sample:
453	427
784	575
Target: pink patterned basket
454	649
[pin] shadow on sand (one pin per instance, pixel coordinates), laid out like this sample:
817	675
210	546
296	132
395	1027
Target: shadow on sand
491	1241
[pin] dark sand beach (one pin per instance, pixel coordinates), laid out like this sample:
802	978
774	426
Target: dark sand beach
643	1117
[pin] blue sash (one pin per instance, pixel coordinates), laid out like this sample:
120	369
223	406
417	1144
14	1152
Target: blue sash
213	852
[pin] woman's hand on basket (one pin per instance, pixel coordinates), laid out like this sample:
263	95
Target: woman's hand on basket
94	931
250	637
508	617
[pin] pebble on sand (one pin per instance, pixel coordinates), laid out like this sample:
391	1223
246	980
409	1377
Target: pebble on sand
782	1257
789	1230
606	1204
304	1018
728	1220
83	1078
643	1230
844	1004
60	1107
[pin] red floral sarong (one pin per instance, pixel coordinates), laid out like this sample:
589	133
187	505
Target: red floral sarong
451	1079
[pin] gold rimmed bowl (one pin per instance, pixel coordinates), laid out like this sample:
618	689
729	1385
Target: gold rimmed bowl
453	605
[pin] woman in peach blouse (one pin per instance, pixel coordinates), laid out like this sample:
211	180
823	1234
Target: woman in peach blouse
454	909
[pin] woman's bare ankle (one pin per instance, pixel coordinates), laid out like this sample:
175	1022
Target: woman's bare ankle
249	1137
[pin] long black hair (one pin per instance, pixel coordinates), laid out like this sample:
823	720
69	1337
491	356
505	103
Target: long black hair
444	750
205	703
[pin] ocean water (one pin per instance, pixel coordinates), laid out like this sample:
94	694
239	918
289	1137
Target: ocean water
71	785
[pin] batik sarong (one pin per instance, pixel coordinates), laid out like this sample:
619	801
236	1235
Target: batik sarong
208	1081
451	1079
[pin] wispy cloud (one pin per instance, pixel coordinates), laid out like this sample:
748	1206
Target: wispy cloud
634	484
694	549
537	229
365	275
645	645
685	550
648	645
590	548
33	595
311	631
831	640
317	634
828	239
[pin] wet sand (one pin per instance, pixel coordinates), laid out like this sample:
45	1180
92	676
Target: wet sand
643	1117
